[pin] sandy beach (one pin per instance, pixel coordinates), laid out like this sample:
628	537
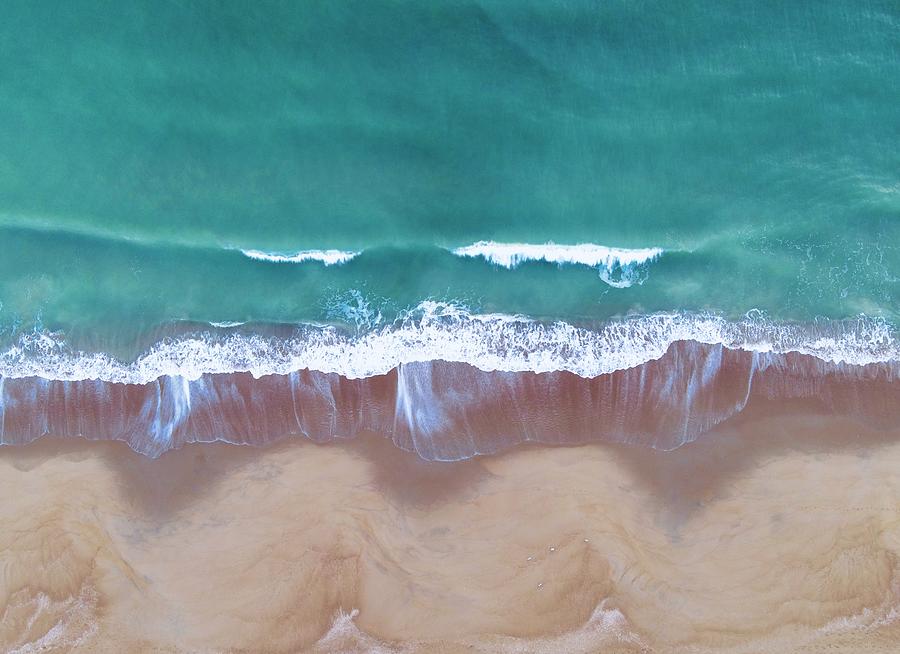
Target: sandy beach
776	532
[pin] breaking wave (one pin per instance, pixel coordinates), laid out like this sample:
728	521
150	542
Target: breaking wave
328	257
619	267
435	331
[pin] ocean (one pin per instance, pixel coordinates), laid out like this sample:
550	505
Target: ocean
202	203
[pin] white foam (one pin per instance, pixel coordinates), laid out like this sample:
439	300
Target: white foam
439	331
73	623
606	628
869	619
328	257
617	265
344	636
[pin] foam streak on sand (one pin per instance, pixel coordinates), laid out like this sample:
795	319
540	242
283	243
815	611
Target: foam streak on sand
328	257
437	331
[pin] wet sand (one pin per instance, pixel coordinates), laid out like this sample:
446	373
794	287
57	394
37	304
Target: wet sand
778	531
450	411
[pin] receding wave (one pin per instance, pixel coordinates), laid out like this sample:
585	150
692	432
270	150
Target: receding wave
619	267
448	384
451	411
328	257
438	331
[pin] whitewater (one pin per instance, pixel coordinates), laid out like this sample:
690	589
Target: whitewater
617	267
438	331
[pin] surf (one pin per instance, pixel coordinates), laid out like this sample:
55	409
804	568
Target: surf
433	331
328	257
618	267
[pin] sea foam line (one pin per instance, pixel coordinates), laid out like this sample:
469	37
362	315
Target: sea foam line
328	257
618	266
439	331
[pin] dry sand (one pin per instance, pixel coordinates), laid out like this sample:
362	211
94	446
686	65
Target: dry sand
775	533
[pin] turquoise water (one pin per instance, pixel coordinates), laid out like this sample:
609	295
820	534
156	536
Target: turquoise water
144	144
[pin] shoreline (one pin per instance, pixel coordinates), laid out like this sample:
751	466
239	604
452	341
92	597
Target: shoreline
451	411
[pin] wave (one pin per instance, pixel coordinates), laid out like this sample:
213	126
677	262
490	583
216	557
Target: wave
451	411
435	331
618	267
328	257
510	255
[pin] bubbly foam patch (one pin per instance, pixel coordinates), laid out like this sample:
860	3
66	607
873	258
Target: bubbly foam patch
345	636
438	331
328	257
72	619
618	266
605	628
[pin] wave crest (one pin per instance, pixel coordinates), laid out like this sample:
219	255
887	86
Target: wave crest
619	267
328	257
